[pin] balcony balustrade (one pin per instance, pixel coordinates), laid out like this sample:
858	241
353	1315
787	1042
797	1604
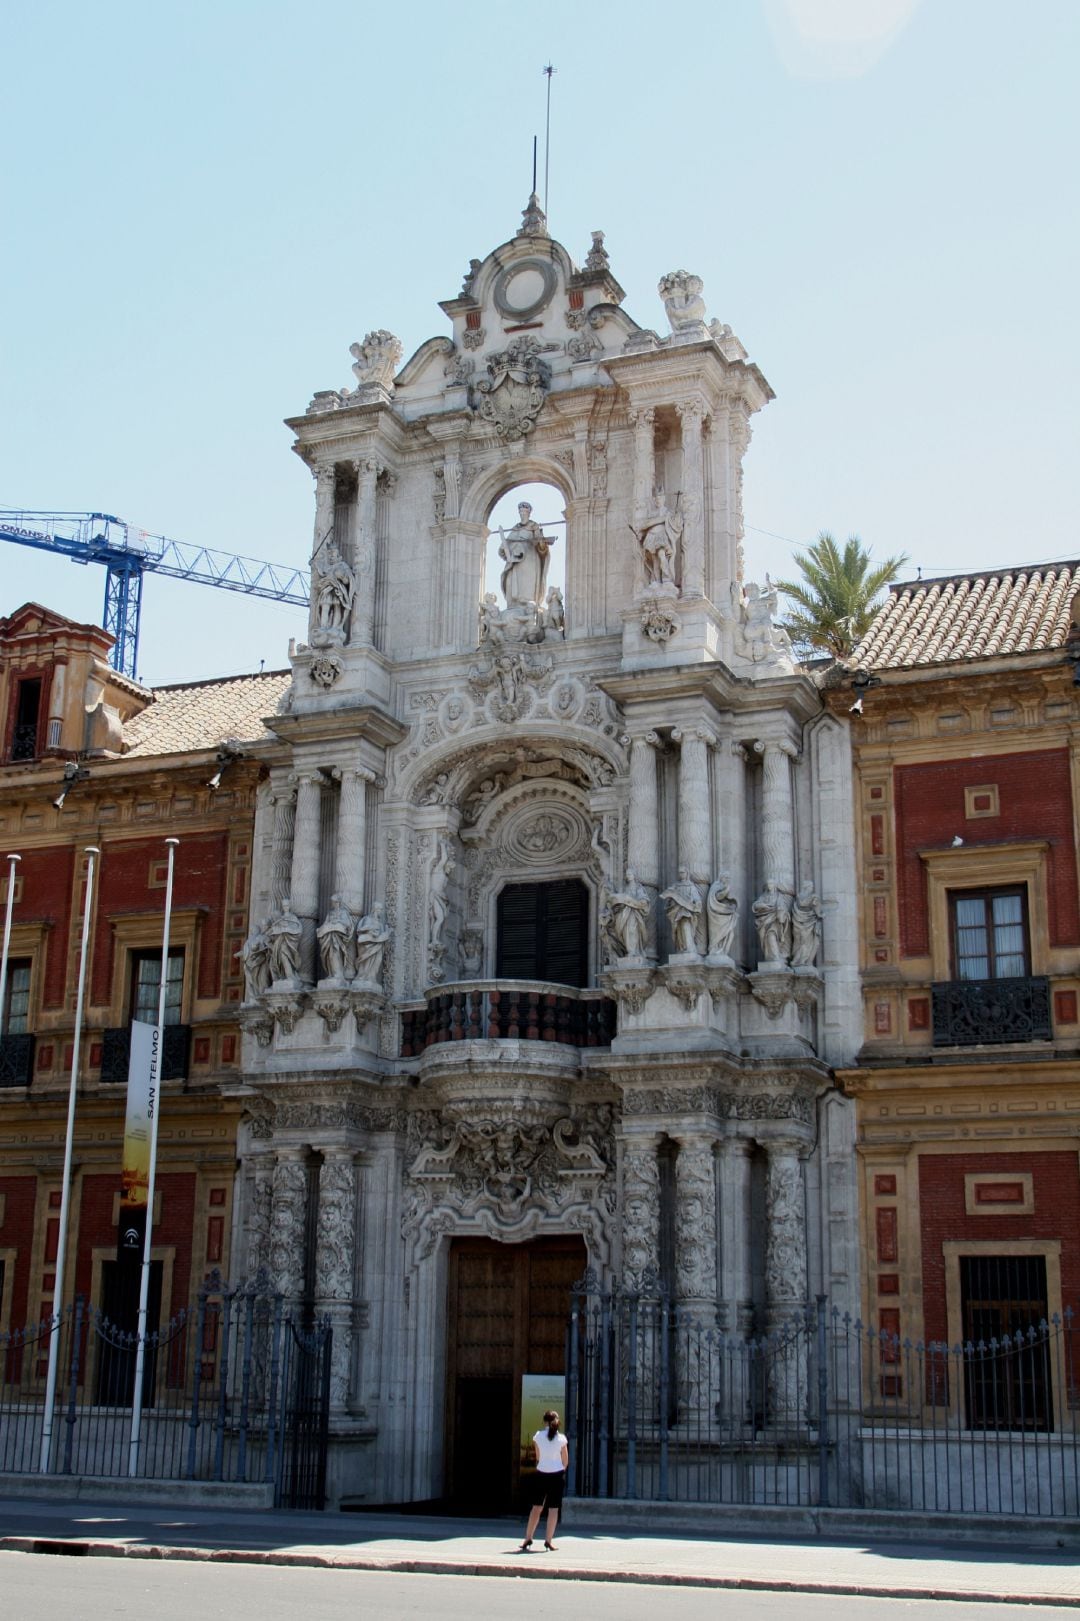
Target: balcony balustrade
988	1012
509	1010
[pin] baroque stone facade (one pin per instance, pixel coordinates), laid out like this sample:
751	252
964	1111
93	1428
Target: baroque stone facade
634	755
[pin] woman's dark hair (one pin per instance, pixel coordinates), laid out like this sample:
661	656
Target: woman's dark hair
551	1419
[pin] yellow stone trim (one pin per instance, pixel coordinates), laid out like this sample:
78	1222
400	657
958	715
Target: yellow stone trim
984	866
975	1207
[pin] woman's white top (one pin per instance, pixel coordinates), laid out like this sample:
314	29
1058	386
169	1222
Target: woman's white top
549	1453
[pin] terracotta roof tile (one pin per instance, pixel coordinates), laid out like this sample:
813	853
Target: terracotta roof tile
971	616
202	714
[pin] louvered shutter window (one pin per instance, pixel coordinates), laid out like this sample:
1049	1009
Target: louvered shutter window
544	932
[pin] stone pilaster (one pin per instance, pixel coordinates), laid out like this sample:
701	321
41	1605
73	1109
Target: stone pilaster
786	1277
692	417
304	876
287	1218
736	1255
363	614
644	828
349	874
325	474
640	1209
695	1221
282	848
335	1265
695	829
643	418
777	815
259	1212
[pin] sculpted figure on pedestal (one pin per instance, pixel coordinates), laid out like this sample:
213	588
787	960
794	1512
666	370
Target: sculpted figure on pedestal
335	938
375	360
525	551
684	905
286	934
772	918
722	915
805	927
438	905
254	957
555	612
630	916
335	588
372	936
658	536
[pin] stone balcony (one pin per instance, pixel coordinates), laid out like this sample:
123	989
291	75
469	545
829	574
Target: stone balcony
508	1010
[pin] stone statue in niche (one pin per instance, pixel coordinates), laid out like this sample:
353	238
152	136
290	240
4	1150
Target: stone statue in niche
335	588
372	936
525	551
286	934
335	937
772	918
630	916
805	927
658	536
684	907
722	916
439	905
254	957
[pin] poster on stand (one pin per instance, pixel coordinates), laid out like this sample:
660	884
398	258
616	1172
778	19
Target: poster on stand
142	1095
539	1393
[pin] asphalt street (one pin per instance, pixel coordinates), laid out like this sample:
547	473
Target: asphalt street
108	1589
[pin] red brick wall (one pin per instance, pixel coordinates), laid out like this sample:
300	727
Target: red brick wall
1035	796
47	877
942	1216
20	1193
96	1229
199	881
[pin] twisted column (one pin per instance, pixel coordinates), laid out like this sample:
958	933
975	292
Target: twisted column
692	416
335	1265
304	877
287	1221
695	829
777	814
363	615
349	859
282	847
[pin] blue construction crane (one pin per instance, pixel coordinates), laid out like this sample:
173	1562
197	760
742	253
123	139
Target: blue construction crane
129	553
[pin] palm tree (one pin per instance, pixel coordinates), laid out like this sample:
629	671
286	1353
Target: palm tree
834	600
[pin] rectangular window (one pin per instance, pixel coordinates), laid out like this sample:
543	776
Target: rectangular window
1007	1361
16	1020
989	934
146	985
27	710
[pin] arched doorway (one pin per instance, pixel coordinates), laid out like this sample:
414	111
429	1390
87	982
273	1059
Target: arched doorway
507	1308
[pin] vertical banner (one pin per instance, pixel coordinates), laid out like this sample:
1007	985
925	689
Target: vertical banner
539	1392
142	1092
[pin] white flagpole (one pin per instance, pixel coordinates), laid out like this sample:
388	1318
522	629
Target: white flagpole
61	1247
12	860
148	1236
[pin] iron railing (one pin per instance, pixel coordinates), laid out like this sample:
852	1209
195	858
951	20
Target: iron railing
509	1010
978	1012
235	1388
663	1405
116	1053
17	1059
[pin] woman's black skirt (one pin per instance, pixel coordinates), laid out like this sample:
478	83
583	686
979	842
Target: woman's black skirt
548	1488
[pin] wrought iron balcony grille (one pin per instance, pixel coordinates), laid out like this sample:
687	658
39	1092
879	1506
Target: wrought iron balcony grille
16	1060
24	741
988	1012
116	1050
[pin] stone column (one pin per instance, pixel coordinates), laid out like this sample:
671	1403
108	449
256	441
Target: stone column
304	877
695	1279
335	1265
643	417
643	832
351	835
736	1274
259	1215
777	815
282	848
363	613
786	1279
692	417
287	1220
695	821
640	1210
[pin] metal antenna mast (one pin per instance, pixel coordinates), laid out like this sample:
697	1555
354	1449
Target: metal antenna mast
534	166
548	71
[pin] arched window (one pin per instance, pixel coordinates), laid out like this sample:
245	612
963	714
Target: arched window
525	576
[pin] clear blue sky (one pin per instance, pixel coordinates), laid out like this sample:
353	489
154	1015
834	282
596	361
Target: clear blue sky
204	205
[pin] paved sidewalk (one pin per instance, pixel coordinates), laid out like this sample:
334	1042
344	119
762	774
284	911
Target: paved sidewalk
401	1542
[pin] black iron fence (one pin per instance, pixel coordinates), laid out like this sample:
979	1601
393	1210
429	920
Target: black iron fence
662	1404
235	1388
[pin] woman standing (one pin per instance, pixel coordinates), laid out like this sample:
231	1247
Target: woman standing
552	1457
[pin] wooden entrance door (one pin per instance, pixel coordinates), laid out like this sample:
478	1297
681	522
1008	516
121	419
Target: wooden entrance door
508	1307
